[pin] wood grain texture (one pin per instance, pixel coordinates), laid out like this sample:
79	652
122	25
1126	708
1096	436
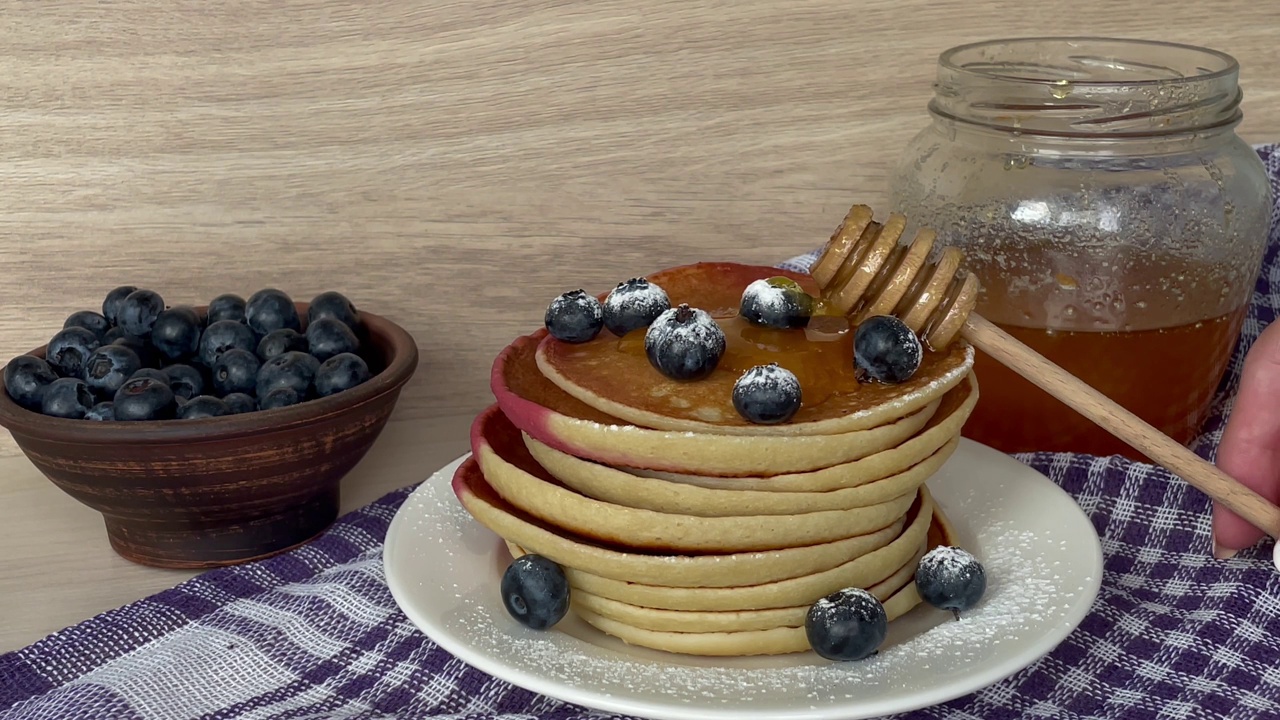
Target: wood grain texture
454	165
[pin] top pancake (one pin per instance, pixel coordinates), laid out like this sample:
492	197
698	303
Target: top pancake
624	385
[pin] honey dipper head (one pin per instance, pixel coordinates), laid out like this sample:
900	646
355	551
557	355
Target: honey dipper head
865	270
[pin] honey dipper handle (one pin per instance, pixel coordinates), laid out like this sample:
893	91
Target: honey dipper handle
1170	454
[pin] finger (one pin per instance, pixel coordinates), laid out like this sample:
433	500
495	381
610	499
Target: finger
1250	446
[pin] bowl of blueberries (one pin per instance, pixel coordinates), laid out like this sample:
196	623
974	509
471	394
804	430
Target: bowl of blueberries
207	435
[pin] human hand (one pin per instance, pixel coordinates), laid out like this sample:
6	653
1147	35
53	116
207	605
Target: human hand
1250	447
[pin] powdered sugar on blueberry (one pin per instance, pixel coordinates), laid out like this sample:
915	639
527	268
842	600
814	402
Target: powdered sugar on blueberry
634	304
684	343
767	394
777	302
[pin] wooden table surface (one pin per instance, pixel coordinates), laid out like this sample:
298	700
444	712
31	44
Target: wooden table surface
452	166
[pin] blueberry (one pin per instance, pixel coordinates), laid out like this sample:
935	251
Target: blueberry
146	354
109	367
113	301
278	398
340	372
278	342
327	337
294	370
684	343
574	317
25	380
176	334
69	349
240	403
139	311
886	350
950	578
143	398
535	591
104	411
221	336
777	302
848	624
89	320
67	397
202	406
227	306
334	305
634	304
185	381
767	394
271	309
235	371
153	373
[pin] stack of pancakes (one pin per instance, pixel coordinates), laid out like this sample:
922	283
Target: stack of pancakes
683	527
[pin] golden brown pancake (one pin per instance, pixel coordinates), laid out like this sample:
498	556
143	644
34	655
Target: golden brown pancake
614	376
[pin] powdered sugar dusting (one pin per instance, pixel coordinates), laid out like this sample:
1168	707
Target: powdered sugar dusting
701	331
769	299
633	304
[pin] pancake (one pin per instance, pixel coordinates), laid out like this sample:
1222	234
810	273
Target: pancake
623	384
610	485
513	472
945	424
488	508
740	621
554	418
753	594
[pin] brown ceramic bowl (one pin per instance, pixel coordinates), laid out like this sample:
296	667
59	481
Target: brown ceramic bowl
218	491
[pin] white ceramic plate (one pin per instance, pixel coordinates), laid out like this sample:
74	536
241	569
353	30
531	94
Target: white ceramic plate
1043	563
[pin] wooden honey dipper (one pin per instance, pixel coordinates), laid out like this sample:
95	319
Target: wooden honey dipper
864	270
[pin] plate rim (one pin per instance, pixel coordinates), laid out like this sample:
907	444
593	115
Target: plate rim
984	676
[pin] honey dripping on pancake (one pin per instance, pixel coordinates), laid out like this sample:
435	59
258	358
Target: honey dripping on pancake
820	355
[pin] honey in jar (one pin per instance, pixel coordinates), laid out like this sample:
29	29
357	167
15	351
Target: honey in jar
1114	218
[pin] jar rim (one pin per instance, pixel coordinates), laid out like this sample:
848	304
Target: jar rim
952	59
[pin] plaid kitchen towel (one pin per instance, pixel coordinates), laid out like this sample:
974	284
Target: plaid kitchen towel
314	633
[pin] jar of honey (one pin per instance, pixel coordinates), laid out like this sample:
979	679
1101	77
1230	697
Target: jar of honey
1113	216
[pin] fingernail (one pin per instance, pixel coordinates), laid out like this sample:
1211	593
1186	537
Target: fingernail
1220	552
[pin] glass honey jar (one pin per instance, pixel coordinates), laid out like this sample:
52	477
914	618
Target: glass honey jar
1113	216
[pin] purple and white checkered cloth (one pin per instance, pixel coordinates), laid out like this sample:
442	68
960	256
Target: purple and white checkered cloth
314	633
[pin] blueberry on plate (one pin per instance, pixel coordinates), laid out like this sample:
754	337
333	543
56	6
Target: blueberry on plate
767	394
278	398
222	336
112	303
535	591
153	373
102	412
67	397
271	309
886	350
776	302
327	337
89	320
25	380
634	304
202	406
240	403
139	311
227	306
279	342
143	398
574	317
684	343
235	371
108	368
340	372
176	334
848	624
69	349
185	381
950	578
293	370
332	304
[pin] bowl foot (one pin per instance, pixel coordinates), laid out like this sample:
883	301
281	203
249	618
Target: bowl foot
198	545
